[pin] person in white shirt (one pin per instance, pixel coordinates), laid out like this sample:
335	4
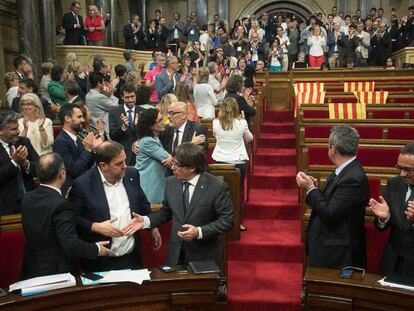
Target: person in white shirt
284	44
232	133
204	97
214	79
316	42
11	81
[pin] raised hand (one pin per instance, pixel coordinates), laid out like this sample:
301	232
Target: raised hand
124	121
409	212
19	155
107	228
198	139
133	225
88	142
379	208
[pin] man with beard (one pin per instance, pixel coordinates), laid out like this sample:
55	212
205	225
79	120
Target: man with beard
76	153
396	211
17	164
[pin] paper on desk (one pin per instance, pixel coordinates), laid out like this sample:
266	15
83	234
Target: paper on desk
134	276
44	283
396	285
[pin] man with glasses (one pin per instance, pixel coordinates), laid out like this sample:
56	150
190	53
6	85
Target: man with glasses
180	130
336	234
167	81
200	208
396	211
73	23
123	120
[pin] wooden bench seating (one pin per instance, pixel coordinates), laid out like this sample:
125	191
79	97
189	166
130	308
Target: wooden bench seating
393	97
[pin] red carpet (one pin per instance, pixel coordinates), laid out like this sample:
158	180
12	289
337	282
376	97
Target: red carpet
265	266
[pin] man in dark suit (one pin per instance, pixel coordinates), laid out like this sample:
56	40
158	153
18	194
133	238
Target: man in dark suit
166	81
396	211
104	199
199	215
349	44
123	120
134	34
73	23
336	234
180	130
17	164
76	153
52	245
381	45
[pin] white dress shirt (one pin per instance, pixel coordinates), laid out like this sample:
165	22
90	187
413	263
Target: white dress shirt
118	203
73	136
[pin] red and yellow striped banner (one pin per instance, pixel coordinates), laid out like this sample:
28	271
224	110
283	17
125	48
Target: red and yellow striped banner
367	86
378	97
312	97
308	87
347	111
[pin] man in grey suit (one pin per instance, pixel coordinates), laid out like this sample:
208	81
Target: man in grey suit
199	215
166	81
176	28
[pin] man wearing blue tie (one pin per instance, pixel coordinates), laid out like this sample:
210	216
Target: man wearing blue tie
122	122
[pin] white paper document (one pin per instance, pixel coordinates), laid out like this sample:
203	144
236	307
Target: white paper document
395	285
44	283
134	276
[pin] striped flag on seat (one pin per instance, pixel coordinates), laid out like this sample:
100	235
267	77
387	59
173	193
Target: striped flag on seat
366	86
308	87
312	97
347	111
377	97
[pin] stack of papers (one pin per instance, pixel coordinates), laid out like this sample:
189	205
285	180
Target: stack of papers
116	276
44	283
395	285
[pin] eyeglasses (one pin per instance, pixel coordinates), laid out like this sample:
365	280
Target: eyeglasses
175	163
173	113
129	97
407	170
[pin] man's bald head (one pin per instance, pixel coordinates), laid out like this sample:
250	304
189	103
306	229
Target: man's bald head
106	151
48	167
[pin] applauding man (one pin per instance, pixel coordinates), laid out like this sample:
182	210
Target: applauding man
396	211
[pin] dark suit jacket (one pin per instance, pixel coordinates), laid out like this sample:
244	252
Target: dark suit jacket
125	138
210	208
191	127
77	159
51	242
164	85
9	203
73	35
401	239
243	106
348	49
129	37
90	204
381	49
336	236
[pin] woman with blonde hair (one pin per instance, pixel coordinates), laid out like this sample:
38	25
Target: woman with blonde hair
94	27
134	78
183	94
316	42
204	97
232	133
75	72
165	102
71	57
34	125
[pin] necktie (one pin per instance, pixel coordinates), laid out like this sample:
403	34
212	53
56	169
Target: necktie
130	118
411	197
330	180
186	196
175	142
20	184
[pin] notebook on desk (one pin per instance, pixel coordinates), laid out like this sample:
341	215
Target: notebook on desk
200	267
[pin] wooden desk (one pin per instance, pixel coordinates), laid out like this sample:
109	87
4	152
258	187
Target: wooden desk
171	291
324	290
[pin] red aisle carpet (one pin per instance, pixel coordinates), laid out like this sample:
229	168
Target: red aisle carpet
265	266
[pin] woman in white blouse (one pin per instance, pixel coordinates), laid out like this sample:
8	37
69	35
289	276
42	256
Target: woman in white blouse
34	125
204	97
316	42
232	132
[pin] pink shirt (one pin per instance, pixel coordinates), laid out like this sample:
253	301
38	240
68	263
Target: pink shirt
150	76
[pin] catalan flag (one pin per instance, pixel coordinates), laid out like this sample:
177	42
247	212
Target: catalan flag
312	97
347	111
378	97
308	87
366	86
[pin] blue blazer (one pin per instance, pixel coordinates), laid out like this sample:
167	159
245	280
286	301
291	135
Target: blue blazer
164	85
77	159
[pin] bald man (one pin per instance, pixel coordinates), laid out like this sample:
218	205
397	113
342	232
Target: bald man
180	130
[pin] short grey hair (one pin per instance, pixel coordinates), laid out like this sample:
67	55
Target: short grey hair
212	67
170	59
345	139
7	117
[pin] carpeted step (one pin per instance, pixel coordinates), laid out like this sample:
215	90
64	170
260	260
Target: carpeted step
268	240
278	115
273	180
277	141
272	210
279	156
264	286
277	127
